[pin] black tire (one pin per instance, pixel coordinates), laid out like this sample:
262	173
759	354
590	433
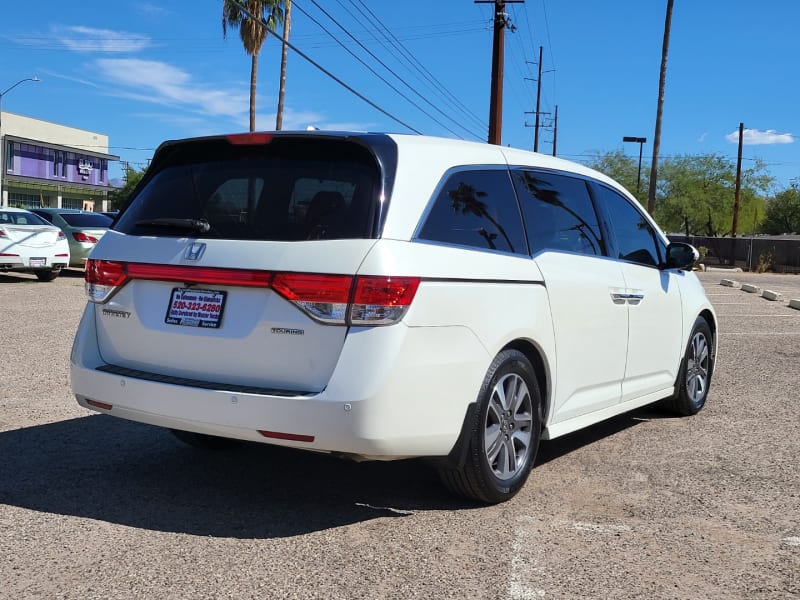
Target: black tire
47	275
694	376
513	428
203	441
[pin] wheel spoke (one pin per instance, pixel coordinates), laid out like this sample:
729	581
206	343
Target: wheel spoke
495	409
493	441
510	463
499	396
522	421
522	439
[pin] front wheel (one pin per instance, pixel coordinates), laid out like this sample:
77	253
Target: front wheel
504	434
694	377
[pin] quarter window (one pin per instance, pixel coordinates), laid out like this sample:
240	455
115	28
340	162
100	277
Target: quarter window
559	214
636	239
477	208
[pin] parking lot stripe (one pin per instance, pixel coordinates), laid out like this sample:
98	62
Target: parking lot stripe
756	333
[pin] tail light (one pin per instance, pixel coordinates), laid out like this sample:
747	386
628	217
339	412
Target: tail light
382	300
83	238
329	299
2	232
103	278
61	236
322	297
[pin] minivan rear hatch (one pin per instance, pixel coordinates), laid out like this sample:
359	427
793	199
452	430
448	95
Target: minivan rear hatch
233	262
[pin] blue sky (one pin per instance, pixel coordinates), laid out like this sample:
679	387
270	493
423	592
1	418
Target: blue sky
143	72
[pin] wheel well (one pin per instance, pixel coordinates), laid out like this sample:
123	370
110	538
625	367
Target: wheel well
712	324
706	314
534	355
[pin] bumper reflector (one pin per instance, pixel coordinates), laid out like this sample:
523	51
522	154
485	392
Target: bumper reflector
294	437
97	404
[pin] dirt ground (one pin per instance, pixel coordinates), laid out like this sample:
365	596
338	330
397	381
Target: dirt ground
642	506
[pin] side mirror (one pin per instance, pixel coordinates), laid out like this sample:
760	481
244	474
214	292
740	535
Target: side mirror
681	256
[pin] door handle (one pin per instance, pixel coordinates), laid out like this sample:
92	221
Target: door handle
622	298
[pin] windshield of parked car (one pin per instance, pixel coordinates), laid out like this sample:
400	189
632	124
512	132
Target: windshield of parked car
284	191
86	219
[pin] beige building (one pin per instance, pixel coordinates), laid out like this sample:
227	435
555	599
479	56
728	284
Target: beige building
45	164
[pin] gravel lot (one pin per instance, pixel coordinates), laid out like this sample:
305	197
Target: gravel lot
641	506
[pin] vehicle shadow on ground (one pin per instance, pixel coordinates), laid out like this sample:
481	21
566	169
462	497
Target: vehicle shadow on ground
113	470
122	472
554	449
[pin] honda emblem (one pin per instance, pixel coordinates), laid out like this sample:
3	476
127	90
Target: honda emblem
194	251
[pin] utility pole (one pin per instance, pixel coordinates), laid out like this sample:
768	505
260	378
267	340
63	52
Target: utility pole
738	195
555	131
287	25
662	80
498	57
538	105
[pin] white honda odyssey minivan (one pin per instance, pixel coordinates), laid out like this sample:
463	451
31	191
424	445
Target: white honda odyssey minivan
386	296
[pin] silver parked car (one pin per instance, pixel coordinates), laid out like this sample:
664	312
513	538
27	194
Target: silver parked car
83	229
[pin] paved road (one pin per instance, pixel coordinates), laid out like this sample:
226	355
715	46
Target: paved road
642	506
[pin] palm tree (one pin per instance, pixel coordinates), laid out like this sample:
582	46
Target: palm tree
651	195
252	33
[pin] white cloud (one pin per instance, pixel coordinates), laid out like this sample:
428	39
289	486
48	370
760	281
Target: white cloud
87	39
160	83
703	137
754	137
152	10
80	80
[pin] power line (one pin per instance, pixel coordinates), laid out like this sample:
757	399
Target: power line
405	97
303	55
413	61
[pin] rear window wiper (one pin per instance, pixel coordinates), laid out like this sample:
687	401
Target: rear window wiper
199	225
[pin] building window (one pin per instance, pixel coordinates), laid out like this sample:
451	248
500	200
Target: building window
64	158
56	158
21	200
10	157
71	202
103	167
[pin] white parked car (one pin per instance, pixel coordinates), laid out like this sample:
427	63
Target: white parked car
387	296
30	244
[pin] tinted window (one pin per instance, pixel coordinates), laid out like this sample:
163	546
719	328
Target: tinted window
477	208
86	219
559	214
636	240
287	190
46	216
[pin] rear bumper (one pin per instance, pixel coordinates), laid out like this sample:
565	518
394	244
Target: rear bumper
17	263
396	392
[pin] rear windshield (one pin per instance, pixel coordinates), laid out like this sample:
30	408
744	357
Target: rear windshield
20	218
86	219
287	190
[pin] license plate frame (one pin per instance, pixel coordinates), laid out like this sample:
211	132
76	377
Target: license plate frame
37	261
193	307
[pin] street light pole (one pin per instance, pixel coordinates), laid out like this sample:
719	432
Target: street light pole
3	199
640	141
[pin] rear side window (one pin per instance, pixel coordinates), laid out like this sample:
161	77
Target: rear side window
476	208
288	190
636	239
559	213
